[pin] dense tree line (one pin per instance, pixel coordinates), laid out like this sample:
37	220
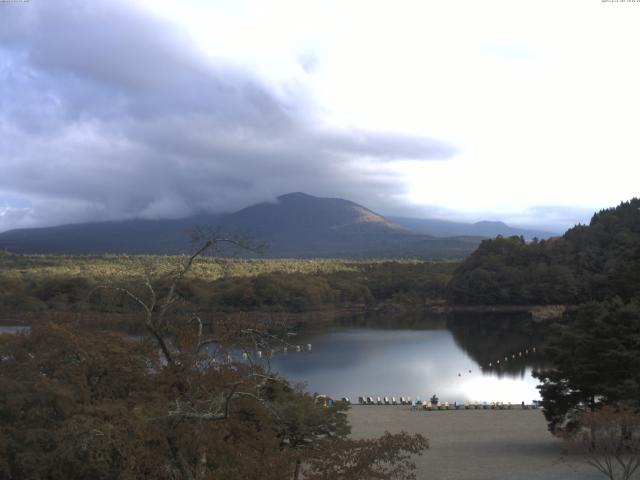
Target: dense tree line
593	262
364	284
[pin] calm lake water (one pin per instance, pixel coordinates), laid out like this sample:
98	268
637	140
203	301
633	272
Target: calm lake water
12	328
457	359
452	363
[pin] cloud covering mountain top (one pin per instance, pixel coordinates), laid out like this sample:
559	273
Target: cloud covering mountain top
107	111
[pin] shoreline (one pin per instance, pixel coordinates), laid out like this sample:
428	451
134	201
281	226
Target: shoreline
317	316
538	312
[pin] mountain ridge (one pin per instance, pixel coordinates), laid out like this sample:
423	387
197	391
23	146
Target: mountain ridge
294	225
485	228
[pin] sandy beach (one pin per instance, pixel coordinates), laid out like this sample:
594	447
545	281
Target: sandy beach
477	444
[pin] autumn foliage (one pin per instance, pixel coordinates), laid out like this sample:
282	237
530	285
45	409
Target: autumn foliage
83	405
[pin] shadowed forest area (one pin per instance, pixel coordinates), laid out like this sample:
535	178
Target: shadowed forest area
589	262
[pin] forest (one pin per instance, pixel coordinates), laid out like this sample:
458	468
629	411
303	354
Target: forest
589	262
35	283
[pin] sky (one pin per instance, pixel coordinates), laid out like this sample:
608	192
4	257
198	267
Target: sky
471	110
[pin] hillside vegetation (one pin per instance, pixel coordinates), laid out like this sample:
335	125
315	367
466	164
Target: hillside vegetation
47	282
589	262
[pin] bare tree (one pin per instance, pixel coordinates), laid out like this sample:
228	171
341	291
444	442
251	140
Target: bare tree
610	439
208	382
205	375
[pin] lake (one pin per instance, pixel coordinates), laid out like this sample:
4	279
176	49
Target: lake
454	358
12	328
442	358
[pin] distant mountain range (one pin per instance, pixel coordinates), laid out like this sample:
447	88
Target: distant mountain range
296	225
445	228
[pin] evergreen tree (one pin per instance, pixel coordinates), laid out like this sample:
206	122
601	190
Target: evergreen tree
596	362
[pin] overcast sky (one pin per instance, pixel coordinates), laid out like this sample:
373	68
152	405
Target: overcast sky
522	111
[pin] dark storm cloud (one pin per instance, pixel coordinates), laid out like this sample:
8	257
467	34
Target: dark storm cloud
108	112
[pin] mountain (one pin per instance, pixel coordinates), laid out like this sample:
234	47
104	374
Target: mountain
125	236
299	214
445	228
296	225
301	225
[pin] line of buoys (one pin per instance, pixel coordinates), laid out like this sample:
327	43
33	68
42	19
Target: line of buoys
270	353
297	348
513	357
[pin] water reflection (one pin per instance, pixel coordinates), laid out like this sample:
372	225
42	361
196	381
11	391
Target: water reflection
504	345
13	328
454	357
448	357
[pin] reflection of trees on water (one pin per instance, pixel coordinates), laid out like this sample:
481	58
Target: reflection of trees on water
502	344
411	320
486	337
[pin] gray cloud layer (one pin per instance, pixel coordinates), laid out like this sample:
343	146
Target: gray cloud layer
108	112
